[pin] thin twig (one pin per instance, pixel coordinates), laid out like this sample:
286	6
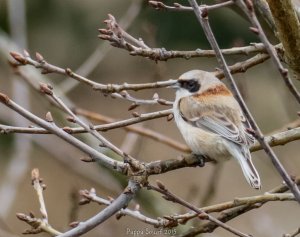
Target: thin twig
102	50
162	54
117	38
156	136
47	89
39	188
91	196
46	67
203	20
202	214
158	5
174	220
237	202
51	126
119	203
53	146
104	127
118	91
38	225
229	214
243	66
276	139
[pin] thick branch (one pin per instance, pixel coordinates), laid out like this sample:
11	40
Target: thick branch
279	139
288	28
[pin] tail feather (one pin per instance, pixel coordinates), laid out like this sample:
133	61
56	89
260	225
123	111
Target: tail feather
250	172
244	158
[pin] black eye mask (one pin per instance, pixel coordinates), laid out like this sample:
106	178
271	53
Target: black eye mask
191	85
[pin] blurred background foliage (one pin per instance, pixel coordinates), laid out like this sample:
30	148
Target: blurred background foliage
65	33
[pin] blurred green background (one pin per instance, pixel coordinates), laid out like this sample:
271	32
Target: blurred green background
65	33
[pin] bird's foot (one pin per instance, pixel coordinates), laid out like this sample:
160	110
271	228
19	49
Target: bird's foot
201	158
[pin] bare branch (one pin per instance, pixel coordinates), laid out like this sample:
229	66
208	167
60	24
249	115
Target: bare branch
257	201
229	214
158	5
102	50
119	203
276	139
243	66
201	214
117	91
39	188
89	128
119	39
89	196
50	126
162	54
159	137
38	225
104	127
110	88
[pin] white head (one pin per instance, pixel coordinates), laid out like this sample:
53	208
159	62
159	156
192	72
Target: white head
195	81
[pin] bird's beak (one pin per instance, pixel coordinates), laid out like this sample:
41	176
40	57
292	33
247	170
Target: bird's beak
175	85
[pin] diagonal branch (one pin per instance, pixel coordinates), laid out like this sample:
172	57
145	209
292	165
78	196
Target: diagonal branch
50	126
90	196
47	89
120	202
230	214
201	214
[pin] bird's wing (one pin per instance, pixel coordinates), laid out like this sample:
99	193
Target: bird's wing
216	118
247	128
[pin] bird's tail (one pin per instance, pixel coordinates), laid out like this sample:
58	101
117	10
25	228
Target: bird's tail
244	158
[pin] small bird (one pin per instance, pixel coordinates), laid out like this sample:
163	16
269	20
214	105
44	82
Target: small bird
211	121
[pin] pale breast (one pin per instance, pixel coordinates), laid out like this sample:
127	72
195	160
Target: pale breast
201	141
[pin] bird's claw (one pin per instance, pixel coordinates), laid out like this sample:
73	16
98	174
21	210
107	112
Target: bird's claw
201	159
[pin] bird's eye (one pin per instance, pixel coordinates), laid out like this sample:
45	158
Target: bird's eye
191	85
